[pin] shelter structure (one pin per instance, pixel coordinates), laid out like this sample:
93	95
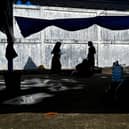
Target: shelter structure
119	5
109	43
6	26
96	29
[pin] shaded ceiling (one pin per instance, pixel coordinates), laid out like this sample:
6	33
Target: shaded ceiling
122	5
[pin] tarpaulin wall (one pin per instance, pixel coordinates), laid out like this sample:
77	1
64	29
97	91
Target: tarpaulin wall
38	45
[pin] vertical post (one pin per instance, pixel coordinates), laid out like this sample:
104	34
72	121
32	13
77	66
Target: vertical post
10	65
12	79
98	44
99	13
10	52
42	33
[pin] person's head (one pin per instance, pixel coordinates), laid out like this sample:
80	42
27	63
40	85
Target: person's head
85	61
58	44
116	63
90	43
56	47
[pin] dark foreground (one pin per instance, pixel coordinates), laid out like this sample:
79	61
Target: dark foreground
48	101
60	93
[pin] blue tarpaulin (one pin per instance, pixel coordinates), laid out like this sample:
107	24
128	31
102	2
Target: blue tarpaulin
113	22
29	26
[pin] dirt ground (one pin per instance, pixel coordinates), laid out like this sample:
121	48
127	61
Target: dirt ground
63	121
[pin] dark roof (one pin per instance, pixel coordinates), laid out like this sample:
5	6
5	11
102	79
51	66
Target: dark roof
89	4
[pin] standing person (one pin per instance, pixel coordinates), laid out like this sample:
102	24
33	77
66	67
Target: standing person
91	53
56	64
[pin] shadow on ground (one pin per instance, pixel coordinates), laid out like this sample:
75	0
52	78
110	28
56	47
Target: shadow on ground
59	93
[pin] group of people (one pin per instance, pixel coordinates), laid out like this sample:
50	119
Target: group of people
84	68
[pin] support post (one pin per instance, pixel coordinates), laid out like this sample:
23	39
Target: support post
10	65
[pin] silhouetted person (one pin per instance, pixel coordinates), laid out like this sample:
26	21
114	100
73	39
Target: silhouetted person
91	53
56	64
82	69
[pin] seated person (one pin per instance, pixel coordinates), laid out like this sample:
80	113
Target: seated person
83	69
117	78
117	72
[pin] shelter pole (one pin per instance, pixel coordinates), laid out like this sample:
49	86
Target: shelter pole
10	65
10	51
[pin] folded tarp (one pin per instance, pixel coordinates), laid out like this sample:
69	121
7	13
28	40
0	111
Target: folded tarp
29	26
